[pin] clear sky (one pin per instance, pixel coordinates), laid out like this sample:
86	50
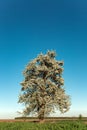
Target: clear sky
30	27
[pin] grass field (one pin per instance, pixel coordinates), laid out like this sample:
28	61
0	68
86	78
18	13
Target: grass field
59	125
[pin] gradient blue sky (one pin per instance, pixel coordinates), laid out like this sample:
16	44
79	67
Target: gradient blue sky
30	27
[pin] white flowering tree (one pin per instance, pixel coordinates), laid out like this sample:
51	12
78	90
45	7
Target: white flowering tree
42	88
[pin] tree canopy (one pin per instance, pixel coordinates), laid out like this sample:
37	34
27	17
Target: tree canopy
42	88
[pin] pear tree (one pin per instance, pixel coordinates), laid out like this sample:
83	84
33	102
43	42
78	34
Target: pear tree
42	88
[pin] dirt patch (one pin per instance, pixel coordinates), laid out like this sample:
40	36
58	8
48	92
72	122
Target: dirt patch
7	120
85	122
18	120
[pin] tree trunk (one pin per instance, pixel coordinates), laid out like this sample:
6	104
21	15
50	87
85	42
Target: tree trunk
42	112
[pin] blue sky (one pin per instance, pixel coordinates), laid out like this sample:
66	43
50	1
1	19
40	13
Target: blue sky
30	27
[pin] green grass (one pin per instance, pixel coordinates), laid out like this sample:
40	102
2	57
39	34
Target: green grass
61	125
